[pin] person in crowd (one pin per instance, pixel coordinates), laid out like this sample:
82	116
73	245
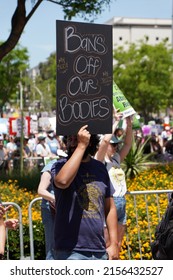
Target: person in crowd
26	146
119	133
17	154
3	156
83	197
153	147
165	134
52	142
110	154
27	153
43	150
46	191
169	144
10	224
11	146
32	144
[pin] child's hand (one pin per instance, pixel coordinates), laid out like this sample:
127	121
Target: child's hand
12	223
3	209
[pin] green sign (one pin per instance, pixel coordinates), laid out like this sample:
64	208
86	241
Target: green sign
120	102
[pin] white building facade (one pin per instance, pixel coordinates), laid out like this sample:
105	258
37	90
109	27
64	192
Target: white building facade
131	30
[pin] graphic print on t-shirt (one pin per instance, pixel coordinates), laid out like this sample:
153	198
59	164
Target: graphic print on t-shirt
89	197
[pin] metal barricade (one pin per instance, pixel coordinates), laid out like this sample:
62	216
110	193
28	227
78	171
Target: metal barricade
30	163
148	217
132	193
20	227
31	227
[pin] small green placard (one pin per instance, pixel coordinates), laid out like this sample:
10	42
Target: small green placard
120	102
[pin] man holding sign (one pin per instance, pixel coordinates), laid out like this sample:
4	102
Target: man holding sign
83	193
84	202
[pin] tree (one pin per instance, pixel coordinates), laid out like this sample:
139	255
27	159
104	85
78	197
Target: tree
144	74
70	8
46	82
11	69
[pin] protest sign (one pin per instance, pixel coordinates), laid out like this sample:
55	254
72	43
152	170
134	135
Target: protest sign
15	126
84	77
120	102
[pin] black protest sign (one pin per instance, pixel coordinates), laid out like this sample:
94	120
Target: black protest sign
84	77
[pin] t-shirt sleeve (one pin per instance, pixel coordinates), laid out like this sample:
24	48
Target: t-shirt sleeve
56	168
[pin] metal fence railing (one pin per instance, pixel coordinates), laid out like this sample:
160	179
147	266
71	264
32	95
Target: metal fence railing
31	236
152	202
134	195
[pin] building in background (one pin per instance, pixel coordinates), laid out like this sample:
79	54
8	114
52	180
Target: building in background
131	30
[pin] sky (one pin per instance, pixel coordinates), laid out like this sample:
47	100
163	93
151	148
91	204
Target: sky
40	32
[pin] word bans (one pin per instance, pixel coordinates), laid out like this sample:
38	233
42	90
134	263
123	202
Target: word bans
91	43
82	110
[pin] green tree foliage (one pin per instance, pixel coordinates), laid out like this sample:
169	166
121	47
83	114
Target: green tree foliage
144	74
46	82
70	8
11	69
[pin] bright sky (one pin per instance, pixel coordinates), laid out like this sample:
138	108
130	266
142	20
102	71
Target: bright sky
40	33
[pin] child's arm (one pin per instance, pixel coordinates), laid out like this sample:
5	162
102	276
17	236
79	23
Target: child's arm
2	236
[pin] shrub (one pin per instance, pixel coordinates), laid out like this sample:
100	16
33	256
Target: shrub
29	180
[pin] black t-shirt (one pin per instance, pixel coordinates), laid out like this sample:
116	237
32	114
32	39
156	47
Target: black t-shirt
80	216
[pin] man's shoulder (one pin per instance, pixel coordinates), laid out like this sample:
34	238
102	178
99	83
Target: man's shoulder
98	164
59	162
96	161
57	166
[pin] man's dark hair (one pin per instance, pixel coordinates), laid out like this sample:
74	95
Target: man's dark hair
93	145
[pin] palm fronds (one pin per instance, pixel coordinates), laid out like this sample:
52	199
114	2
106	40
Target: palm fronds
136	161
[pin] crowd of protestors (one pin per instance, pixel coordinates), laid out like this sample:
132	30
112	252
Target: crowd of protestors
160	144
36	148
46	144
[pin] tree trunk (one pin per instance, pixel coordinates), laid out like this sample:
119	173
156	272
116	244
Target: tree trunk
18	23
